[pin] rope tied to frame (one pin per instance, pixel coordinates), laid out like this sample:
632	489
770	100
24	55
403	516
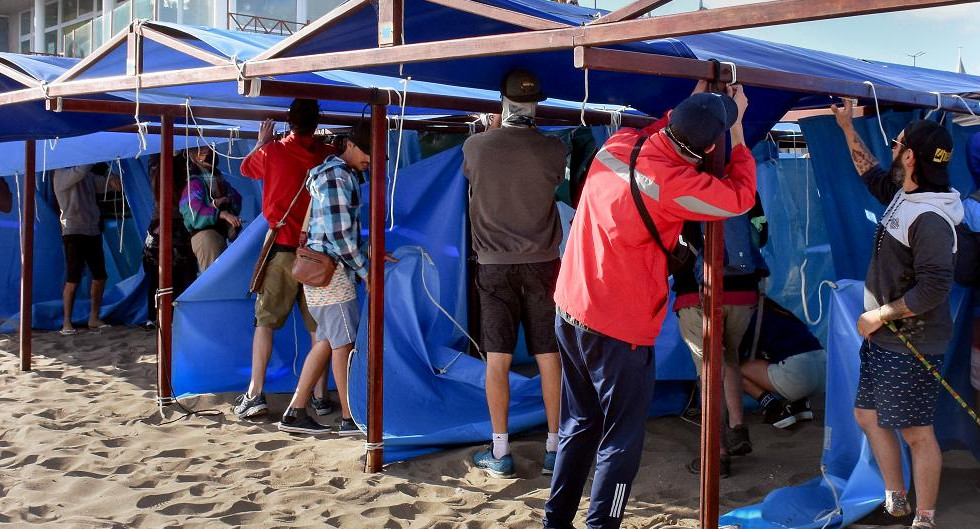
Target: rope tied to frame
374	446
585	100
239	66
159	294
829	516
734	68
881	126
398	149
141	127
967	105
939	104
189	113
122	202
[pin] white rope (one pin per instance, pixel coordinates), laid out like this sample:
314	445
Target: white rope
234	134
122	191
939	104
874	92
240	66
159	294
398	150
967	105
374	446
200	133
837	510
20	210
806	246
427	260
44	89
141	128
585	100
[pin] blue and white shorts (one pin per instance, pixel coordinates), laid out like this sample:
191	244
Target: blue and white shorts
898	386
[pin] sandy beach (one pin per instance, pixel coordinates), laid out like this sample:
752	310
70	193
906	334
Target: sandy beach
83	445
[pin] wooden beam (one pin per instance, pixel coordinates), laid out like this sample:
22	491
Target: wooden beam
17	75
391	20
134	55
422	100
105	49
313	29
181	46
165	295
649	64
503	15
27	257
630	11
374	459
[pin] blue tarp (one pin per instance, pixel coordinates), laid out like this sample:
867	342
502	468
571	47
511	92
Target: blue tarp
850	216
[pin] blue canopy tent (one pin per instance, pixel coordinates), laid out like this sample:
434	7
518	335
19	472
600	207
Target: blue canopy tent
425	22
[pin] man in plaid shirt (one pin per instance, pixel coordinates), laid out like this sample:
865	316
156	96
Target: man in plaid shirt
335	230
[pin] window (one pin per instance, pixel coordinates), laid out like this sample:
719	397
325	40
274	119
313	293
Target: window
317	8
51	15
275	9
26	23
51	42
121	16
85	7
193	12
69	9
98	32
143	9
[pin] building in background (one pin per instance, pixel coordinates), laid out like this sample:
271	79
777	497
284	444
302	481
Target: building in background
75	28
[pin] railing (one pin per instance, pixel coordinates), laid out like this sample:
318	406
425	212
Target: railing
257	24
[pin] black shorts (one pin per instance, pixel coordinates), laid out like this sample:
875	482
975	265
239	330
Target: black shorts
898	387
83	251
516	294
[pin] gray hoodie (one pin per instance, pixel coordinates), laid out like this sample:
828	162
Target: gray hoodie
75	189
912	259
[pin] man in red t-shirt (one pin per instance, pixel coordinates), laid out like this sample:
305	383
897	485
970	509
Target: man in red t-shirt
282	165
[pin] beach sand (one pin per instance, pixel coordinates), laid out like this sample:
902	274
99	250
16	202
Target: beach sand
82	445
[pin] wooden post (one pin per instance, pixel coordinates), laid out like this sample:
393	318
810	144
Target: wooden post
390	18
376	282
27	257
165	296
711	381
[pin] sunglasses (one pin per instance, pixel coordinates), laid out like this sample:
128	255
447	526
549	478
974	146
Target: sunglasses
897	144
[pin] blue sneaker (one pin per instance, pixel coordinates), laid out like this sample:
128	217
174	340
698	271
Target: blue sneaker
548	468
498	468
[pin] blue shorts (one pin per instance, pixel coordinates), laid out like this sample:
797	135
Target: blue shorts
898	386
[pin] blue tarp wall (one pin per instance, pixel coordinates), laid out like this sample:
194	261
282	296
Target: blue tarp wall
851	215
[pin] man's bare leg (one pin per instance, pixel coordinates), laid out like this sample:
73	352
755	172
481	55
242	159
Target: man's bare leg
732	384
68	302
498	396
927	465
320	389
884	445
96	291
341	356
314	367
549	364
261	352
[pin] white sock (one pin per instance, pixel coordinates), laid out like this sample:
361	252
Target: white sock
551	445
501	445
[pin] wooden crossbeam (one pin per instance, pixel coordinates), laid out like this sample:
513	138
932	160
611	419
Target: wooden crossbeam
645	63
631	11
390	22
182	46
17	75
503	15
105	49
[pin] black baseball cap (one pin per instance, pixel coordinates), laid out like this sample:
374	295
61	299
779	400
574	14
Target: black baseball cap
360	135
521	86
933	147
700	119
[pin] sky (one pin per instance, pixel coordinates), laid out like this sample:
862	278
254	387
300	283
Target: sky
890	37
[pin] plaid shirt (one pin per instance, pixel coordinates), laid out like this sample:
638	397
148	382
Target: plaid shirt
335	217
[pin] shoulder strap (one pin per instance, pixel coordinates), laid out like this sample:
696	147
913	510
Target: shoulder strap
282	221
638	200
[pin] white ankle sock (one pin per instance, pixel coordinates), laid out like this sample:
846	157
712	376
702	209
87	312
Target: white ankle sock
551	445
501	445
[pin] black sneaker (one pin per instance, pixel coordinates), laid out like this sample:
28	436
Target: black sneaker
694	467
297	421
321	406
801	410
250	407
348	428
737	440
780	415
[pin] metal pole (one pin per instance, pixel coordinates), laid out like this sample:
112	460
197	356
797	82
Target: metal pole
713	328
375	425
165	296
27	258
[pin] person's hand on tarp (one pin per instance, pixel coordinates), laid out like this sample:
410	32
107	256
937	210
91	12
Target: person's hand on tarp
869	322
6	197
389	258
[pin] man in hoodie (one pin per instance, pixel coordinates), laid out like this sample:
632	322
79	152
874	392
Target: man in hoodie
282	165
513	172
81	232
908	283
611	294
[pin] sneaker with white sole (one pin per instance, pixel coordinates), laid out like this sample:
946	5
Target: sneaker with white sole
297	421
801	410
246	407
779	415
498	468
897	504
348	428
321	406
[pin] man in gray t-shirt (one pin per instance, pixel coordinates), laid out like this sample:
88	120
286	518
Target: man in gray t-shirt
81	235
513	172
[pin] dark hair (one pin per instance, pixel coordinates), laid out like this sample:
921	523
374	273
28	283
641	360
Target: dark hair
304	116
101	168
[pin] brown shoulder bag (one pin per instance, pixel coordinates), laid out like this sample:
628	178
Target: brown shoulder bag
312	268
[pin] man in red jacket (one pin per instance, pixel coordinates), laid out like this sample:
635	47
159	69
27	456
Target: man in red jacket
282	165
612	291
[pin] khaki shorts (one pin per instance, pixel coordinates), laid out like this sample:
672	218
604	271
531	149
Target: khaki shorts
279	291
736	318
799	375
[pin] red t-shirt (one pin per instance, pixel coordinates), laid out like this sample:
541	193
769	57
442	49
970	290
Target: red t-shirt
282	165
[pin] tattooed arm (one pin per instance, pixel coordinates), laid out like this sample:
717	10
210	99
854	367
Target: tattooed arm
878	180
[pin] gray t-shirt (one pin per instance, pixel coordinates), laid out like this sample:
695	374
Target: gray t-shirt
75	189
513	173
